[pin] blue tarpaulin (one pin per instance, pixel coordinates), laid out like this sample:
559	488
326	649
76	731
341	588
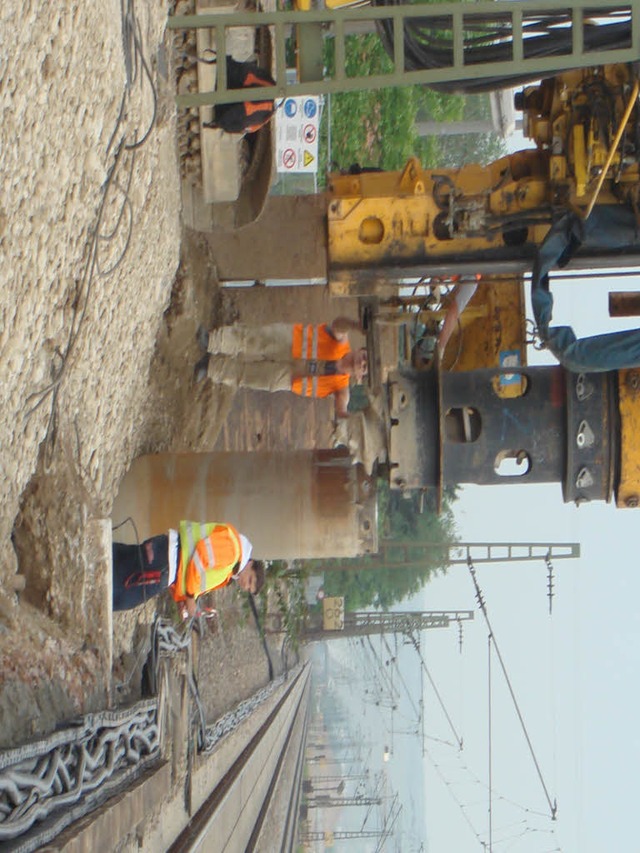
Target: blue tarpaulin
609	227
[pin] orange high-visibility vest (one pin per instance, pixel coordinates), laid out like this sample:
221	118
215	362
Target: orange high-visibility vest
208	556
316	342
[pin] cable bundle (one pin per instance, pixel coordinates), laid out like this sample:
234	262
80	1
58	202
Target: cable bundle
428	42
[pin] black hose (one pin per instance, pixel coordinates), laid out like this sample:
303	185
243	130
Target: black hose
550	34
254	610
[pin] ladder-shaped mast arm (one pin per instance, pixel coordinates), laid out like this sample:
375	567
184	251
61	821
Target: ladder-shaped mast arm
515	18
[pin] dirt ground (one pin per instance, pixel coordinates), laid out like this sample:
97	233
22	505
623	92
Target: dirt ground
102	291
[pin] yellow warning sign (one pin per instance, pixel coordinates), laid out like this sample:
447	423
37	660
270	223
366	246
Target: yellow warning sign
308	158
333	613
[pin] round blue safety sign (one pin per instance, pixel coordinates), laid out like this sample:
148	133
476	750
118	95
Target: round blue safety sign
290	107
310	108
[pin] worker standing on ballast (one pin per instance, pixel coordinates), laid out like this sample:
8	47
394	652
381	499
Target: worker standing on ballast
309	360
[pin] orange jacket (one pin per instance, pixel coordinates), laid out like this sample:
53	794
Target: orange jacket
208	556
317	342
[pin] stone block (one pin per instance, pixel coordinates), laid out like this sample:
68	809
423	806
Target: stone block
219	151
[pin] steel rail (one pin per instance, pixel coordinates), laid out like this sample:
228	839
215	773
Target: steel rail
226	794
48	784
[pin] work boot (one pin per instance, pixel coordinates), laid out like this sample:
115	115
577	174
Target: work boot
201	369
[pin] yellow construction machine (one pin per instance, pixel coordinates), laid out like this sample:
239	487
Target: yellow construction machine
585	128
456	415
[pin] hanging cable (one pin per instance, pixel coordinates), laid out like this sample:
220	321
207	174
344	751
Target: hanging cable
459	740
552	693
453	796
490	745
461	676
258	621
456	785
500	797
400	676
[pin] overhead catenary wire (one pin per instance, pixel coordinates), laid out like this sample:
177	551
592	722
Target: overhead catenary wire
467	807
384	674
455	784
552	692
449	787
375	793
553	807
424	666
393	657
497	797
371	673
490	744
389	823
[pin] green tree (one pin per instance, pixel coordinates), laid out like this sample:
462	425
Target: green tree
369	584
466	148
372	128
377	128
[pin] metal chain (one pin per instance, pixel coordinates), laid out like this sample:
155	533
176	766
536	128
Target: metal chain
64	776
57	772
169	641
231	720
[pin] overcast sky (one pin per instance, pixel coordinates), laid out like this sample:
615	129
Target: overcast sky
574	673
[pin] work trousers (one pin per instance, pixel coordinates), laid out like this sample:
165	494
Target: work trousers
257	357
135	578
271	342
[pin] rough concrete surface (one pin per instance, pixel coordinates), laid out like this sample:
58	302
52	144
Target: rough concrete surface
76	340
101	293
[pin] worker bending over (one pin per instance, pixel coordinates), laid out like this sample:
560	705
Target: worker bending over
197	560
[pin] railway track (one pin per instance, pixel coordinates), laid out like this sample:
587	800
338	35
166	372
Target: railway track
253	805
159	777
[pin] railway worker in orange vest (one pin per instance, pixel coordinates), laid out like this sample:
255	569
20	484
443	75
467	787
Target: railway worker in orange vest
310	360
197	559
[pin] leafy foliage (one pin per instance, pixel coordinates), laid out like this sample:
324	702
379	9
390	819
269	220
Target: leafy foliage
466	148
285	590
367	583
363	121
377	128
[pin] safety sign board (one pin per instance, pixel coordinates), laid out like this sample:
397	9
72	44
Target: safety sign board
289	159
297	130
